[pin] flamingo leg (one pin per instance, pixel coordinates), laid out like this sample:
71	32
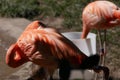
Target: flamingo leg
104	46
105	70
102	43
65	69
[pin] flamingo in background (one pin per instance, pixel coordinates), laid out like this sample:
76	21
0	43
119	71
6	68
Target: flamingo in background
100	15
49	49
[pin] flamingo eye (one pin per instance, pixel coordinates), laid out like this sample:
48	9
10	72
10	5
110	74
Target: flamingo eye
117	8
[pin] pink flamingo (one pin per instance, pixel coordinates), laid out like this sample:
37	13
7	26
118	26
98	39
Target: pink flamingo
49	49
100	15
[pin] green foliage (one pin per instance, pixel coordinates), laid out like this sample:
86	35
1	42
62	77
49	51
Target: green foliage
19	8
70	10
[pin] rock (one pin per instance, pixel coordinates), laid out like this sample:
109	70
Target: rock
10	29
23	73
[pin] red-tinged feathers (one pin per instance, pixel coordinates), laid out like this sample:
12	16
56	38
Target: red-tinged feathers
76	61
14	56
35	25
116	14
46	45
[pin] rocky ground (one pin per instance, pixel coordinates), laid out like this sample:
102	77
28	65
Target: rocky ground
10	29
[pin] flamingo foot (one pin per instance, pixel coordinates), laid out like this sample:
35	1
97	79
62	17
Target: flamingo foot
105	70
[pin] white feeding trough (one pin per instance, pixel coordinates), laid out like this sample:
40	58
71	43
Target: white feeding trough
87	46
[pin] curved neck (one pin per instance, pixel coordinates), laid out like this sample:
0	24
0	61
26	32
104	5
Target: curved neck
14	57
85	31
